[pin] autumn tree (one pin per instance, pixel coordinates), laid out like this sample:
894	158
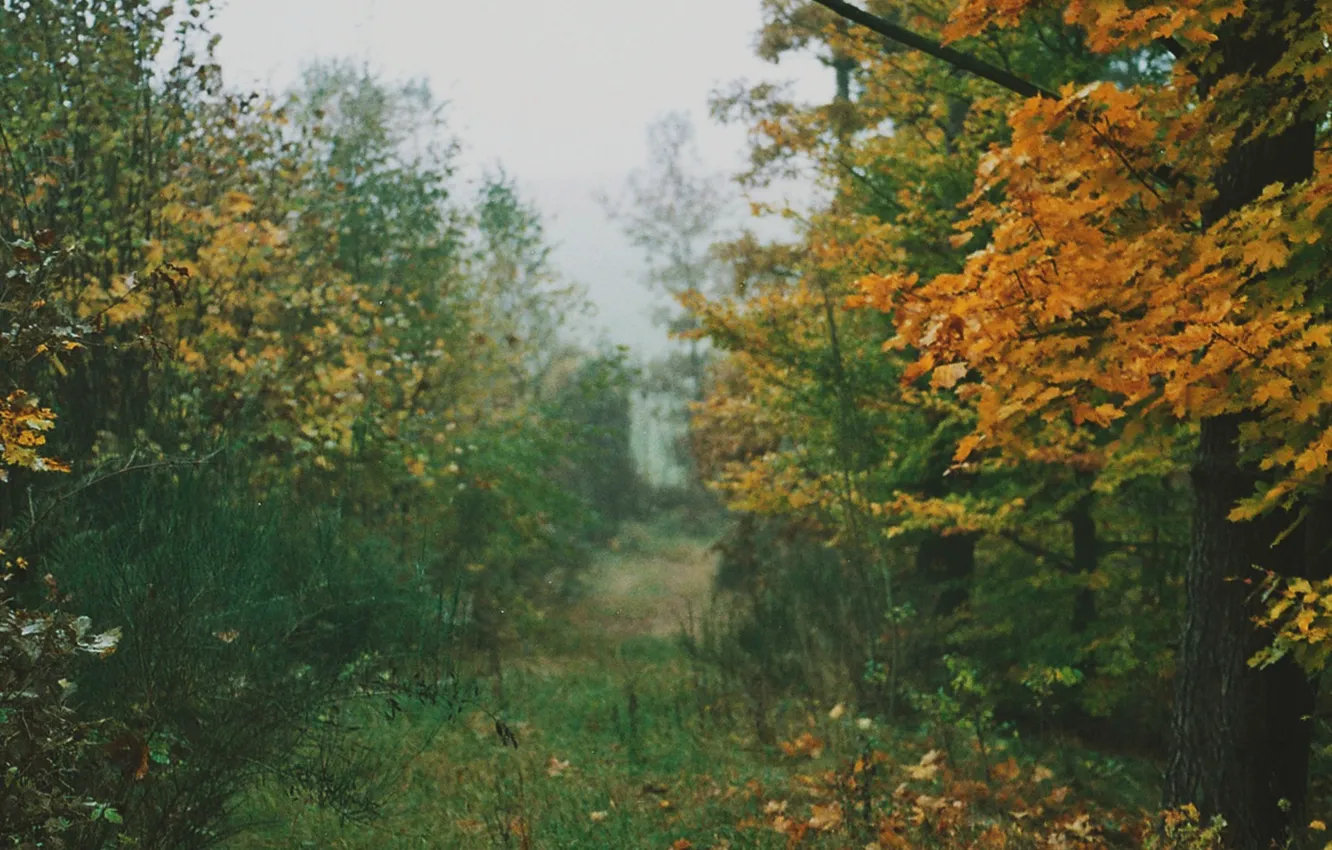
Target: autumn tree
813	428
1149	252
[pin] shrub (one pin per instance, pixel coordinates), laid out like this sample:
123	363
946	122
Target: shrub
254	637
42	744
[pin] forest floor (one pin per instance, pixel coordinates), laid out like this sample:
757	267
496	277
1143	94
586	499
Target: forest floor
614	748
621	741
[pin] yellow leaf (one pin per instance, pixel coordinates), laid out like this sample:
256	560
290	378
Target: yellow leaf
1304	620
1266	254
556	766
966	446
947	376
825	818
237	203
918	368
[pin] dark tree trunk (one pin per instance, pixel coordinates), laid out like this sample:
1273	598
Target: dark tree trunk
1086	555
1242	736
948	561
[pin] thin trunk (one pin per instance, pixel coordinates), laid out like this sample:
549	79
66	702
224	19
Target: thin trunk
1086	555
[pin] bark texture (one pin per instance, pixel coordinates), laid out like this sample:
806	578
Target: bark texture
1242	736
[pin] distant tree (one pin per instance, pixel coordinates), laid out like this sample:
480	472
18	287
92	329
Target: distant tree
675	212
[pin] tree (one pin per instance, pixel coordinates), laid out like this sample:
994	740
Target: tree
820	431
1152	253
522	301
286	286
674	214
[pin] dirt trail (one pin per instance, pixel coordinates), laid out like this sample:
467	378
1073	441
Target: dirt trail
648	589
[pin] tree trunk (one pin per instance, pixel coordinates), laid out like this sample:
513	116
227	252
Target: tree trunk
1086	555
1242	736
949	562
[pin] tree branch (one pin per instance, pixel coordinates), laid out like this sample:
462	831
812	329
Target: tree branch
956	58
1164	175
1173	46
1061	561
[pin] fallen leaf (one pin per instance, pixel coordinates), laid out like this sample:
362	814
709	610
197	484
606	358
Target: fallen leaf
556	766
825	818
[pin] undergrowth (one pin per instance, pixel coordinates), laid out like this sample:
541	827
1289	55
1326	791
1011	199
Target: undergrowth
611	738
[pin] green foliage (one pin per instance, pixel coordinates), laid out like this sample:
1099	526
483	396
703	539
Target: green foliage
325	436
793	618
254	636
596	404
617	738
382	158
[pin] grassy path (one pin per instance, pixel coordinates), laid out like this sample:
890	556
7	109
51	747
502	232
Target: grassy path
613	750
618	747
647	588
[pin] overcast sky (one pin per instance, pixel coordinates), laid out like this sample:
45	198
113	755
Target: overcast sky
560	92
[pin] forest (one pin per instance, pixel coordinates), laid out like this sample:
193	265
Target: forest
999	514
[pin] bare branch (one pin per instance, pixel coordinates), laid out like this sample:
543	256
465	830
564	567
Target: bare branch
930	47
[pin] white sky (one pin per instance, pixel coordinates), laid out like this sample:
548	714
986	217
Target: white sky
560	92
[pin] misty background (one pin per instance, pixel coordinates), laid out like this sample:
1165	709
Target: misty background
559	93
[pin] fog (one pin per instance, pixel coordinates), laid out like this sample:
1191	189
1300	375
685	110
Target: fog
557	92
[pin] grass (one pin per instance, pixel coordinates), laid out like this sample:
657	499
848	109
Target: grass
614	747
619	745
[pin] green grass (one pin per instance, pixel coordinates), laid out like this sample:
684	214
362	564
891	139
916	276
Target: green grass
605	689
620	743
641	777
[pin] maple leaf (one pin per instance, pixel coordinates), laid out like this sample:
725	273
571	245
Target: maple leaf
947	376
1266	254
825	817
927	768
966	446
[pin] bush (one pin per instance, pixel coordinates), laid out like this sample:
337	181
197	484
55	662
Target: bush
254	635
42	744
